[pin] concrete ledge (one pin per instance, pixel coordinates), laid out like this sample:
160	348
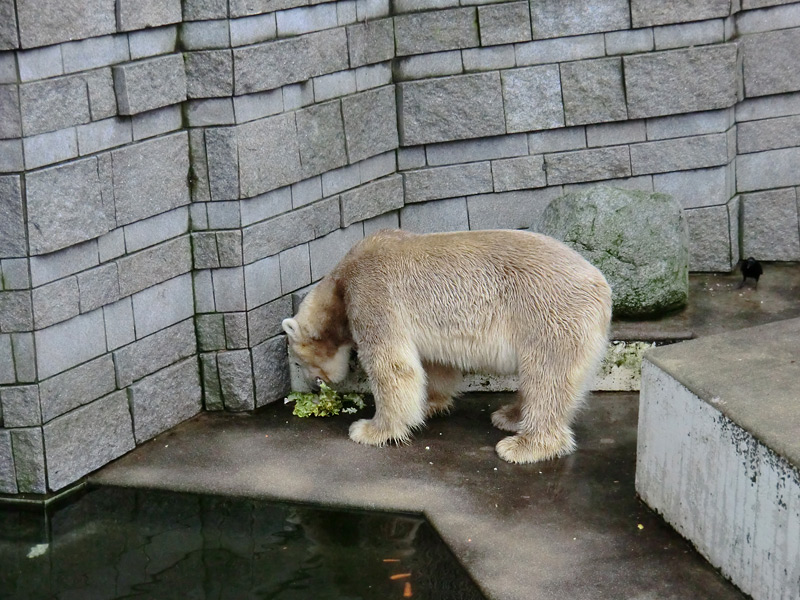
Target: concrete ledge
718	451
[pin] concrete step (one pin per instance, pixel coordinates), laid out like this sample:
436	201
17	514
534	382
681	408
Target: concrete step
719	451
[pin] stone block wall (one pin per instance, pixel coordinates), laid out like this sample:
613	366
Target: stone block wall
172	172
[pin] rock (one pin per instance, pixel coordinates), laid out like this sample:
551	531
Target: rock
637	239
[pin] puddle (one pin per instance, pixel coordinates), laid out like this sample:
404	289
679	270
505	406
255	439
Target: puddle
128	543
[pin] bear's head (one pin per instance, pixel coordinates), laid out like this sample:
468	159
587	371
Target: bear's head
319	336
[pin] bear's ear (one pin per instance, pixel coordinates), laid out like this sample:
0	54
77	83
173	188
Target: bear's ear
292	329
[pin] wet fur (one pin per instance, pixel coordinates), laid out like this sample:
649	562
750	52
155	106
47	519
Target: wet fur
422	309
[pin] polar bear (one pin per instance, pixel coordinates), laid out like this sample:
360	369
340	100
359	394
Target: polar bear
422	309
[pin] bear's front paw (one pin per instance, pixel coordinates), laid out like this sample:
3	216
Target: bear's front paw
365	431
527	448
507	418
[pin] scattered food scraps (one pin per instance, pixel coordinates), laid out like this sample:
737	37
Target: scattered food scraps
640	526
399	576
407	590
325	404
391	560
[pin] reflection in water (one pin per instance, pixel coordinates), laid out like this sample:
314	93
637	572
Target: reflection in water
120	543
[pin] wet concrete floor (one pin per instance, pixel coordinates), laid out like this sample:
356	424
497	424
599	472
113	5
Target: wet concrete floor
567	529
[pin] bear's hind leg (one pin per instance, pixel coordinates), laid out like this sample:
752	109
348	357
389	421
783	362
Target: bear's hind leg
398	385
508	417
442	387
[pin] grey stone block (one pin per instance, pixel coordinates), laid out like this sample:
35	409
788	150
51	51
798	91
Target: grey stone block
9	39
163	305
29	460
341	179
271	366
15	274
149	84
629	42
70	343
447	182
256	106
559	18
295	267
223	162
588	165
488	59
768	134
372	9
681	81
262	282
45	269
521	85
769	60
300	57
372	76
152	231
236	380
209	73
151	177
321	141
56	302
102	135
10	116
7	373
8	67
696	189
229	290
679	154
8	475
614	134
709	239
66	206
269	154
12	226
389	220
40	63
411	158
327	251
111	245
94	52
306	19
504	23
371	200
593	91
11	156
152	42
265	206
560	50
241	8
521	173
377	166
439	215
48	148
21	406
306	192
210	112
148	355
769	225
346	13
223	215
425	66
236	330
212	393
164	399
370	42
100	85
25	361
298	95
210	332
766	170
510	210
76	387
229	247
118	319
154	265
265	321
285	231
141	14
451	108
52	21
689	34
652	12
370	123
688	125
203	35
758	21
53	104
448	29
252	30
201	10
334	85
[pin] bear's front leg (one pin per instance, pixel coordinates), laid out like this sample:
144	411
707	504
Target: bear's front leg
398	385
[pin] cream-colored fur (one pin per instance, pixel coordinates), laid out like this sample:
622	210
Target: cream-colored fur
421	309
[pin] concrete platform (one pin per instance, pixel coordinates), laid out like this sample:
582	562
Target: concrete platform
571	528
719	451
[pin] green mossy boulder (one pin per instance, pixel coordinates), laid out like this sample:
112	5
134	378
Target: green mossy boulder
638	240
